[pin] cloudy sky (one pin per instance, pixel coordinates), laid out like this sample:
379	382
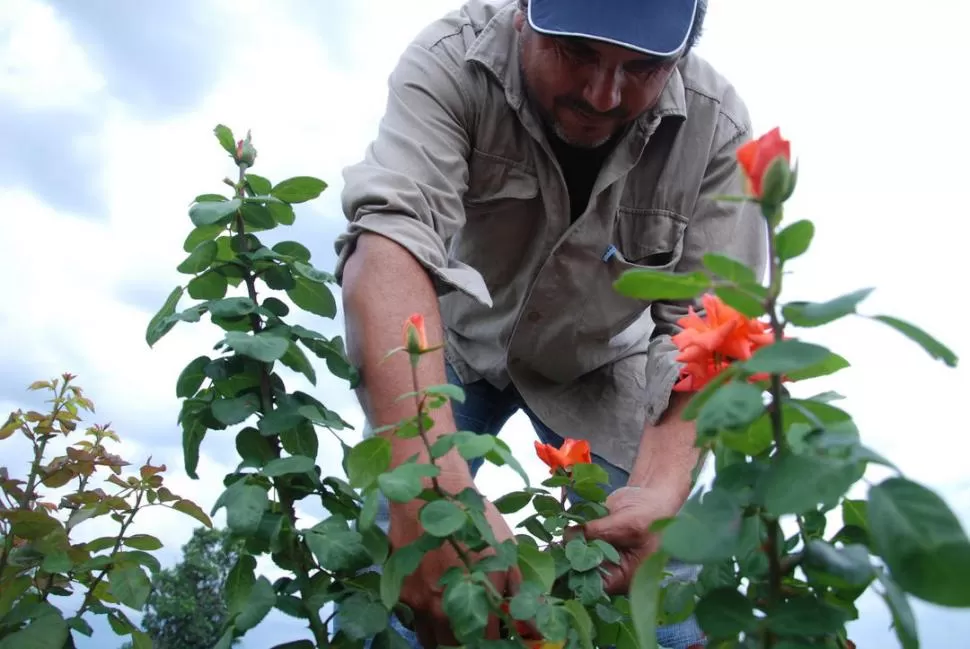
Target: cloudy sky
106	115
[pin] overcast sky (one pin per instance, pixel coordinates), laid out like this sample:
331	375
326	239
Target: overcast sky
106	115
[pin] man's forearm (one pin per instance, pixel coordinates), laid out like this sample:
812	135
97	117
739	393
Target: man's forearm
383	284
667	456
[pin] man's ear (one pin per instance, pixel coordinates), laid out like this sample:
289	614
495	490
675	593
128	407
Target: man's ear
518	20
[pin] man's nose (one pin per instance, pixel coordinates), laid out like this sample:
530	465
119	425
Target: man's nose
603	89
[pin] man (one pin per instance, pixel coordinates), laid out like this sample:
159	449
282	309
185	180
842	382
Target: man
531	153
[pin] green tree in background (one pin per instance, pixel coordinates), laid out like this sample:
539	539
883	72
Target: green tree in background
186	608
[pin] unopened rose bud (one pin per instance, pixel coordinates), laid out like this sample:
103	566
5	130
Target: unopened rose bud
245	151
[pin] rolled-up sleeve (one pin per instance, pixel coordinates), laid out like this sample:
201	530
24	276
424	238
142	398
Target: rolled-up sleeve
735	229
410	183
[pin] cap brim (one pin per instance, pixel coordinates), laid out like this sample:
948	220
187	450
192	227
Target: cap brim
655	27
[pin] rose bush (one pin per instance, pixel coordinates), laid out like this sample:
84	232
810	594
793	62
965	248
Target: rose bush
774	574
42	560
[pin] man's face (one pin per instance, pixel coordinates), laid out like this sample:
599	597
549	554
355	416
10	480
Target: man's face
587	90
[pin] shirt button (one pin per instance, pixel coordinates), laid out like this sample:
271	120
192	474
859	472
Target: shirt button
533	316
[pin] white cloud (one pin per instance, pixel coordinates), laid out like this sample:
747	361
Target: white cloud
41	64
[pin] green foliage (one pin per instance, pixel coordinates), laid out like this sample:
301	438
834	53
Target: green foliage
41	560
773	575
783	464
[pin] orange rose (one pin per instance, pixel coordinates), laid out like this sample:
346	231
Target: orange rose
709	344
572	451
756	157
415	335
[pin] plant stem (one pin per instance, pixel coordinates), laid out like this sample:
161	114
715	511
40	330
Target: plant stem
772	549
304	561
117	546
419	404
39	449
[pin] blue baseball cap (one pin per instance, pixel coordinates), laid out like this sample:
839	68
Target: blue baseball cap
655	27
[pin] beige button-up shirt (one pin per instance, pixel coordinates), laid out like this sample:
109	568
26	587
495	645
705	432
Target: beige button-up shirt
462	175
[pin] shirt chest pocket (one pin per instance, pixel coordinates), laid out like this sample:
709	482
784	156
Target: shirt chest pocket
642	239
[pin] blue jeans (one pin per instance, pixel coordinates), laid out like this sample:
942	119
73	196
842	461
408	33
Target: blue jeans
485	411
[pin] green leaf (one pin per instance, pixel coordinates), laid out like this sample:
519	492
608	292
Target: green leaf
904	622
259	185
442	518
404	483
130	585
583	623
705	530
282	213
832	364
264	347
210	285
224	135
231	307
296	360
645	598
31	525
583	557
786	356
805	616
361	617
741	300
725	613
313	297
698	400
236	410
193	432
293	249
849	565
298	189
209	213
448	390
933	347
245	507
191	378
286	465
201	234
659	285
732	407
199	259
367	460
400	564
336	546
536	566
261	600
512	502
239	583
162	322
921	541
48	631
257	217
311	273
797	483
814	314
794	240
728	268
466	605
143	542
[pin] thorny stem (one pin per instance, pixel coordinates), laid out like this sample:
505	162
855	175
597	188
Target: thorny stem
40	448
775	570
88	598
419	404
493	593
304	562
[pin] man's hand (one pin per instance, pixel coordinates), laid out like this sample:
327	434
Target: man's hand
632	511
421	590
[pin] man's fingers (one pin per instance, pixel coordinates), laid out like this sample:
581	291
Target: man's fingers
621	529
